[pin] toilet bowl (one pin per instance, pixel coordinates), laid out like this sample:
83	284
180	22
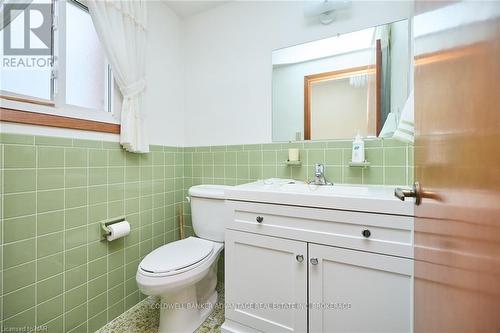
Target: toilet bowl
184	273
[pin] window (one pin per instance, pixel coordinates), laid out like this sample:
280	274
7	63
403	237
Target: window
86	68
17	69
53	62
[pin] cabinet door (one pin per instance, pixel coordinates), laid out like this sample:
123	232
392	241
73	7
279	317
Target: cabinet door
355	291
263	277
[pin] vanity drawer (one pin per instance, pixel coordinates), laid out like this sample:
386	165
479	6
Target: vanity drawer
379	233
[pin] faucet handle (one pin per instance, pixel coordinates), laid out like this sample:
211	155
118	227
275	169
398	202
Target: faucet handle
319	173
319	168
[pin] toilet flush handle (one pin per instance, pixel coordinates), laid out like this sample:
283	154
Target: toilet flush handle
188	199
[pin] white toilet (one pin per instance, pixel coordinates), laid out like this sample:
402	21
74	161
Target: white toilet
184	272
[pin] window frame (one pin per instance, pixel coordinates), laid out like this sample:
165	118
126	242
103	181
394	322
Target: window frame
55	112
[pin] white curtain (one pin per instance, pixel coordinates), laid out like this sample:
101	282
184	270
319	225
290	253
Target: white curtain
121	26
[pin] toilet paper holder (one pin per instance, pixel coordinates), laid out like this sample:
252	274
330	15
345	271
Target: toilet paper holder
104	226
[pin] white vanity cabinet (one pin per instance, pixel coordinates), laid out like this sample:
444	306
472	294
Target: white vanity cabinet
336	270
263	272
354	291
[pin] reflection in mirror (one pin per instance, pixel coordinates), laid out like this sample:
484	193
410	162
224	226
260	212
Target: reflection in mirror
335	87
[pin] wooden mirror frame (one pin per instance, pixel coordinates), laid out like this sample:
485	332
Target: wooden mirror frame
343	73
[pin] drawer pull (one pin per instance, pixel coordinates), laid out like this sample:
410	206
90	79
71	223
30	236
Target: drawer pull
259	219
366	233
299	257
314	261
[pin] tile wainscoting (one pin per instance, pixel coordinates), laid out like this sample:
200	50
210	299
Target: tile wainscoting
391	163
55	271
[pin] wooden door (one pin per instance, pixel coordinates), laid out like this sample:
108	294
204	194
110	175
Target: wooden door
263	277
457	161
356	291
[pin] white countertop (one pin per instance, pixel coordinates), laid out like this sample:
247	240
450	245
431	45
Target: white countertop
363	198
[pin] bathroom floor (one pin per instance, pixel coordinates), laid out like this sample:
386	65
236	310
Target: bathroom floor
144	318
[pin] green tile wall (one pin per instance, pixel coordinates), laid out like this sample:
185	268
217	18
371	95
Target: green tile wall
54	270
391	163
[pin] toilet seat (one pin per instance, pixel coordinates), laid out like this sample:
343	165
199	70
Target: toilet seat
177	257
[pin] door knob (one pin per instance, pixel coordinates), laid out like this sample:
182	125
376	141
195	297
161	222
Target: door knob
314	261
259	219
414	192
299	257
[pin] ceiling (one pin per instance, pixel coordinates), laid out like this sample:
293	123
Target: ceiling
188	8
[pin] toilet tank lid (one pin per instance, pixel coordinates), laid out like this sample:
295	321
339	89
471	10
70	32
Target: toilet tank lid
208	191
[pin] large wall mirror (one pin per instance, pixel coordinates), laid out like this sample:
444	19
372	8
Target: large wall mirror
336	87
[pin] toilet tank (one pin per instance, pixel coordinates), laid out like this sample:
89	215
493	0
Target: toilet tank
207	211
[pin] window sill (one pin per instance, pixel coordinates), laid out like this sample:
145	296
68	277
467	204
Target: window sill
41	119
47	115
11	113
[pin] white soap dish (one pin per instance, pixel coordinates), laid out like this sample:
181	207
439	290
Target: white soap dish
287	162
364	164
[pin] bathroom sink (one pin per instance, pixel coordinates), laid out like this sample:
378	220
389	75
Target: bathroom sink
301	187
369	198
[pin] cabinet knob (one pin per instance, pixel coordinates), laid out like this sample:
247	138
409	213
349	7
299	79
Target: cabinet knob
299	257
366	233
259	219
314	261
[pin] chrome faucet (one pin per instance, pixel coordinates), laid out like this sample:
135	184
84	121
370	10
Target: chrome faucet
319	175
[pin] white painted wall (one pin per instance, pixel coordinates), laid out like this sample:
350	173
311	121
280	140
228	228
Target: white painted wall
209	76
228	52
164	95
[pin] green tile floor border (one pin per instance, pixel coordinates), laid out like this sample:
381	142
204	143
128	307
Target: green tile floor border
55	271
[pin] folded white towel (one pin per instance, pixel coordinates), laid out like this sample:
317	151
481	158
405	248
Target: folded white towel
406	127
390	126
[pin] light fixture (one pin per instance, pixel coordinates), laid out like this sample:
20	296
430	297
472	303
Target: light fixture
327	17
325	9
